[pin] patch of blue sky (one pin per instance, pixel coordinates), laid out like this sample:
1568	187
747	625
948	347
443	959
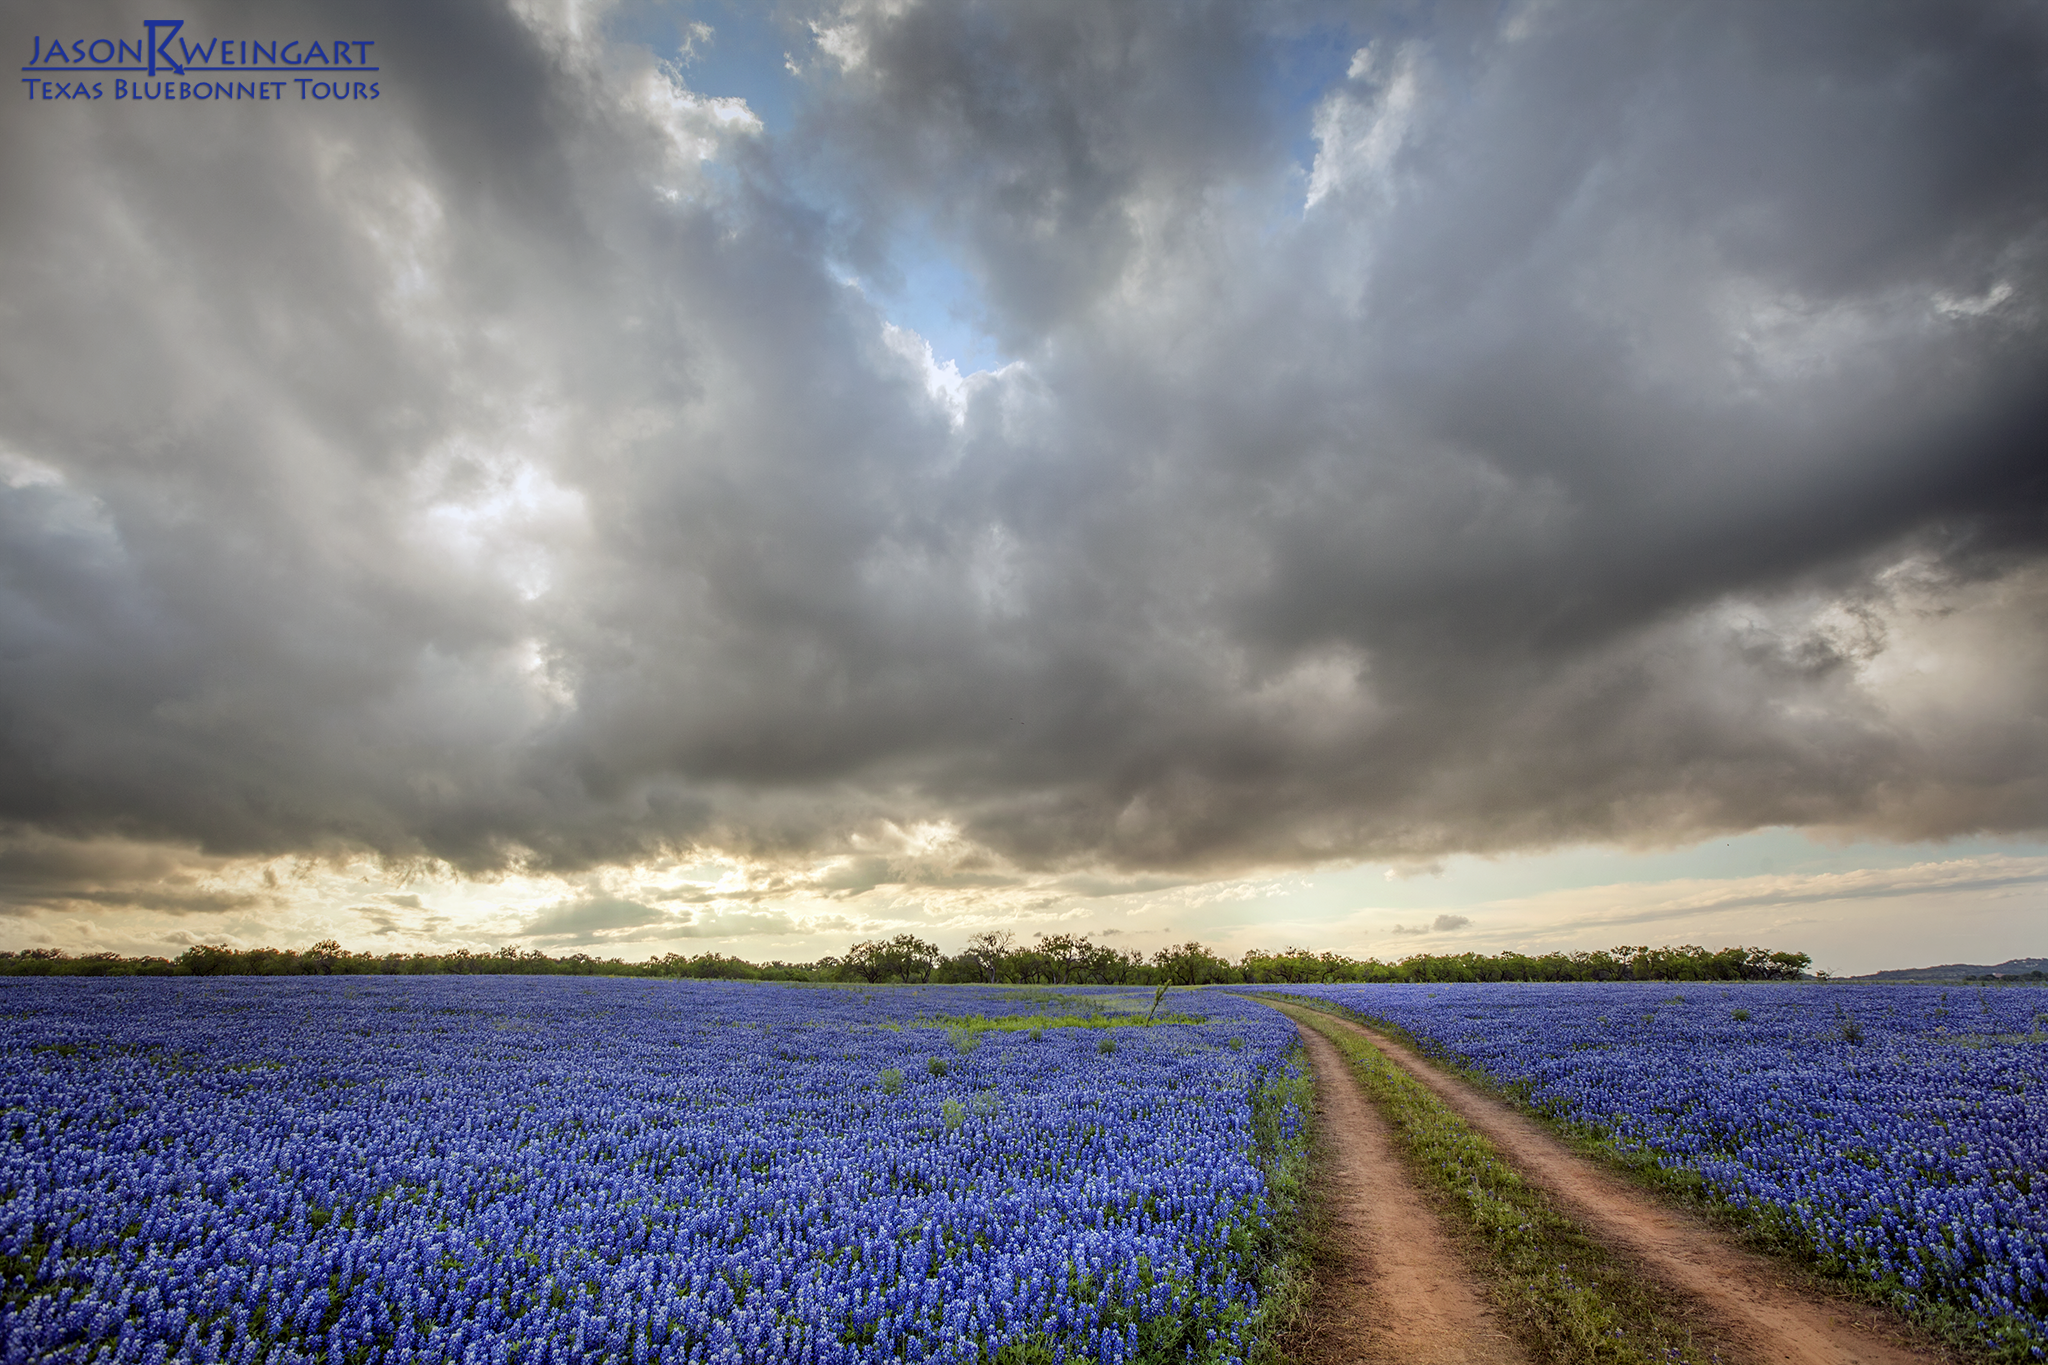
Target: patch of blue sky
726	49
723	48
1302	67
1466	880
941	302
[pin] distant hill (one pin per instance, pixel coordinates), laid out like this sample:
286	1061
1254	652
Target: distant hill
1962	971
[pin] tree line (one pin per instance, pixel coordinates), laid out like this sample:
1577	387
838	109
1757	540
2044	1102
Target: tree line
994	957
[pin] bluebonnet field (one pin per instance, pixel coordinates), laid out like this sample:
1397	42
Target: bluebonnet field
533	1169
1902	1129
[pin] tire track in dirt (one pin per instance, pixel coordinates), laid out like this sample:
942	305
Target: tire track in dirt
1742	1292
1398	1291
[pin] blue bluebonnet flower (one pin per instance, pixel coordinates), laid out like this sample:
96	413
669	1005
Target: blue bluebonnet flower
521	1170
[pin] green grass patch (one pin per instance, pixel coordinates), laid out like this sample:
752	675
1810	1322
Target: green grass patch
967	1025
1074	1001
1567	1298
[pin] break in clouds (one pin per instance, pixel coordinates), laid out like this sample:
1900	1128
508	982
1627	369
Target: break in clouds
1424	429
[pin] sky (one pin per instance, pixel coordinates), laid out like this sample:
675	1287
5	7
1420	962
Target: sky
644	477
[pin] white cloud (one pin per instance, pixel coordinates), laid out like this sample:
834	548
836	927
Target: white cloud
942	382
1360	131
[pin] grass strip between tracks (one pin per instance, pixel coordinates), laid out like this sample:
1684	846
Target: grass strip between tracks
1558	1290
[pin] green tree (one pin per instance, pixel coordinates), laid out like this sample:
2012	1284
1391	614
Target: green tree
1064	953
1191	964
990	951
907	956
866	960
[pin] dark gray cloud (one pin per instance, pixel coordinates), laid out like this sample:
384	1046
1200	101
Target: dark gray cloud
41	874
1627	426
1442	924
611	919
586	917
1040	139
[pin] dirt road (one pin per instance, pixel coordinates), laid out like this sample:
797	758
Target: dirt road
1743	1294
1397	1290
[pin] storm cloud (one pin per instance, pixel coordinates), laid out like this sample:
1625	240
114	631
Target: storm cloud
1427	432
606	919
